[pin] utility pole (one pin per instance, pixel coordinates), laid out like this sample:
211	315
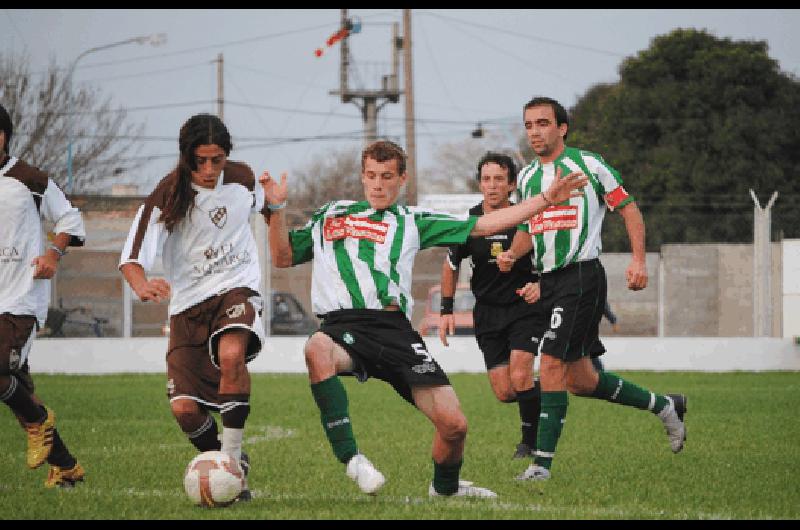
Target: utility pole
762	267
220	88
411	138
371	100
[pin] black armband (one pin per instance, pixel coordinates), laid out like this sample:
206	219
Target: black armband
447	305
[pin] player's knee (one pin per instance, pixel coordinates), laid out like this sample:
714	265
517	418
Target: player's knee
318	353
521	379
579	387
453	427
505	395
231	359
187	412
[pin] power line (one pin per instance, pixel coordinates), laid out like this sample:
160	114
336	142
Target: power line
506	31
128	109
150	72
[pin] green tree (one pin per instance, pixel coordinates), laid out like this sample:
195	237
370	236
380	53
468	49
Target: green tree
694	123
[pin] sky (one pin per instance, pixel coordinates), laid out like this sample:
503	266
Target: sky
470	67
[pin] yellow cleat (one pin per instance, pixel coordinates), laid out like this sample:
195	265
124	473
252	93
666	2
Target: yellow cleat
65	478
40	439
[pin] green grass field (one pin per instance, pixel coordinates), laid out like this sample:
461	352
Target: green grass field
741	461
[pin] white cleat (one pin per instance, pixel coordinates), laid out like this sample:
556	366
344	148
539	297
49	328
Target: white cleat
364	473
672	416
534	472
465	489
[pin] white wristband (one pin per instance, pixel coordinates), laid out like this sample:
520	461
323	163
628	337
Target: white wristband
277	206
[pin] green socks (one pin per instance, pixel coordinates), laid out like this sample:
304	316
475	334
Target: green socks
613	388
551	421
331	399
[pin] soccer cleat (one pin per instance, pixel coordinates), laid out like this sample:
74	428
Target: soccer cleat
534	472
244	463
64	478
364	473
672	416
523	450
40	439
465	489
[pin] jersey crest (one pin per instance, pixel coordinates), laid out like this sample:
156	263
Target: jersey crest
219	216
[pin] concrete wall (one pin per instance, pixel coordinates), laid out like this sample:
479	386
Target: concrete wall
708	289
791	288
285	355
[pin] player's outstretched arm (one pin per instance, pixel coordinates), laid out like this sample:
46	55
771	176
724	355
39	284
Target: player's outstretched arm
560	190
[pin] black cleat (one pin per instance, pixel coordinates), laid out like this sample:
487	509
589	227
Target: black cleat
244	463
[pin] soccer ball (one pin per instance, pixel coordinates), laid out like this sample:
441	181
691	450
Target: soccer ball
213	479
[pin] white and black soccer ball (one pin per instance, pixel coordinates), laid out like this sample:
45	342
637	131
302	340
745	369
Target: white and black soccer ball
213	479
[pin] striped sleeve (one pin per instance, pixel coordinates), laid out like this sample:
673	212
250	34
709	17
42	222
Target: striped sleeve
442	229
145	238
302	239
614	194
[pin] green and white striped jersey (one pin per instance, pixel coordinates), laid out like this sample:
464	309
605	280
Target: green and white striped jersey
363	258
570	231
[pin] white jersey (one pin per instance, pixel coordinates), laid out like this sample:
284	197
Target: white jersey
363	258
212	249
570	231
28	196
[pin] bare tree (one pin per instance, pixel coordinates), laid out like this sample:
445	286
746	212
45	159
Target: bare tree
329	176
456	162
44	107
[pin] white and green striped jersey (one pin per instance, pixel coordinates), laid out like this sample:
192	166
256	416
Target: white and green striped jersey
570	231
363	258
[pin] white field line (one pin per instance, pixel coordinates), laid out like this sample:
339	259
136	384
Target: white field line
444	504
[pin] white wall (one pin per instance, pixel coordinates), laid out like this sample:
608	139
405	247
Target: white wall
285	355
791	288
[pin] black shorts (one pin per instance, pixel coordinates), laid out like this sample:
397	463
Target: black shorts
383	345
500	329
574	298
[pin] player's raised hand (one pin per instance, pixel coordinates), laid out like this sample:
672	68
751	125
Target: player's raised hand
562	188
274	192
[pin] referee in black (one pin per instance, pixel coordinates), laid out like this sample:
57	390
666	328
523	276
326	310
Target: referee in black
505	323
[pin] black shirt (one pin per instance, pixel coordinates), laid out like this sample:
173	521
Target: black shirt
489	285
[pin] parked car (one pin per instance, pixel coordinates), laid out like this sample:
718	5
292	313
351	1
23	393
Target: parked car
463	303
288	316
